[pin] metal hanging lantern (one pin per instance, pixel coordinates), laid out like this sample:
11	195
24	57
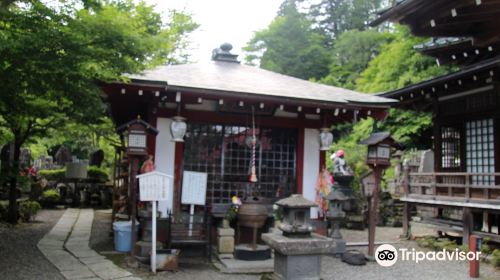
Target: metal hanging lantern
325	139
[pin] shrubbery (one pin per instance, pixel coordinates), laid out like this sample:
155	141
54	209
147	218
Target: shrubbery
3	211
53	174
50	198
28	210
98	173
495	258
93	172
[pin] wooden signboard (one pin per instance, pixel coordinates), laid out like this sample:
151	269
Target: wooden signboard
194	188
154	186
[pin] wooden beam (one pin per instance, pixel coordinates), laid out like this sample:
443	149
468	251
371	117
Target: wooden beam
468	223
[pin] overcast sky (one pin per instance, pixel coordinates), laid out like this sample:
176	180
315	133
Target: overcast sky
232	21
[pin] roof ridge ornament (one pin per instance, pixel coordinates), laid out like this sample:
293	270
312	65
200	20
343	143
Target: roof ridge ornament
223	53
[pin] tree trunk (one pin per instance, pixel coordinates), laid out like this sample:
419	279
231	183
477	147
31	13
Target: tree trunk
14	172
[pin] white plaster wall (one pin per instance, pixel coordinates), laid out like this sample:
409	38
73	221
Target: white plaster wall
165	158
311	166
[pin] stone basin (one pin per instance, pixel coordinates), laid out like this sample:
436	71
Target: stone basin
314	245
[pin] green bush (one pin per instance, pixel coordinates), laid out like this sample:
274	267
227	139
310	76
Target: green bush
495	258
28	210
50	198
98	173
53	174
3	211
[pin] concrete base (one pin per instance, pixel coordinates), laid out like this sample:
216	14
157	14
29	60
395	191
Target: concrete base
244	252
297	267
234	266
340	247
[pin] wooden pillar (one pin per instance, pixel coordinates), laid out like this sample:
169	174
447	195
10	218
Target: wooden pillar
406	207
467	224
373	212
178	167
300	159
134	160
322	160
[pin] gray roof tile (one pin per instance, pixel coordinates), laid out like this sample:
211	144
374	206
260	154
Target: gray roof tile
239	78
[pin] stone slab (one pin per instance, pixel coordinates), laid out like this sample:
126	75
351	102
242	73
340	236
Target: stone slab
109	271
316	244
93	260
239	266
225	231
225	244
82	273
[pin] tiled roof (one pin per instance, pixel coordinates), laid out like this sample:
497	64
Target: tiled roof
237	78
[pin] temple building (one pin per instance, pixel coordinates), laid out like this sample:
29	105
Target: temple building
224	103
464	186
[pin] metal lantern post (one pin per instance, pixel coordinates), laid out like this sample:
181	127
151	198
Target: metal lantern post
378	158
135	133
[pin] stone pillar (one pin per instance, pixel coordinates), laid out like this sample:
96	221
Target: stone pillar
225	242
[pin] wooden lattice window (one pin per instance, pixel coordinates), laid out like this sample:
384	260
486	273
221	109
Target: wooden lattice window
480	150
450	147
223	151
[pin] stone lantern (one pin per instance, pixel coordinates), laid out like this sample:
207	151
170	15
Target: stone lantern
296	216
297	250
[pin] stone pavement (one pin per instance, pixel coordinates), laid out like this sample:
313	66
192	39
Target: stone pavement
67	247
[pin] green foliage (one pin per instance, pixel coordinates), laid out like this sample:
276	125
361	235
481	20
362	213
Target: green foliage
28	210
333	17
485	248
53	174
50	196
398	65
81	140
232	213
495	258
53	54
95	172
355	154
438	244
3	210
351	53
289	46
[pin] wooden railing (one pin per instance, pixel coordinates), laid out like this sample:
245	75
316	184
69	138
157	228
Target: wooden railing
454	184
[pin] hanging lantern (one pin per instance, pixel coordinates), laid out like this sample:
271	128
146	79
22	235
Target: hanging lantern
178	128
325	139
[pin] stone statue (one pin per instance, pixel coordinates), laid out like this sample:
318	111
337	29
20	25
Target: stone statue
340	166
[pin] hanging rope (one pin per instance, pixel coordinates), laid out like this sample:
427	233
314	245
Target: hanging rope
253	175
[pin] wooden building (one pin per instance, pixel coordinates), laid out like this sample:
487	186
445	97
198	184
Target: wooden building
217	98
466	111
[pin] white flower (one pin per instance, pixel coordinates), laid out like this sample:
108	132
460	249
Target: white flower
275	207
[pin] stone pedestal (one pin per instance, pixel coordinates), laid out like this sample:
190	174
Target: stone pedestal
225	241
298	258
297	267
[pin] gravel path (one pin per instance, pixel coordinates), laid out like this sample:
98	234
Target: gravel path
19	256
333	268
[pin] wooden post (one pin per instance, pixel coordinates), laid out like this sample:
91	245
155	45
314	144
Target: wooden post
133	203
467	221
153	238
406	207
373	211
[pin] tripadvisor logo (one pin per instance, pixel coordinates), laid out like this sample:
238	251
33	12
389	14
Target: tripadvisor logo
387	255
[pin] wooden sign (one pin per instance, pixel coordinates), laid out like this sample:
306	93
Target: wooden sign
154	186
194	188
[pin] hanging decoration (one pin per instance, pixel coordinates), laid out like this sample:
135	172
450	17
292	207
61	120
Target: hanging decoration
253	175
324	186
